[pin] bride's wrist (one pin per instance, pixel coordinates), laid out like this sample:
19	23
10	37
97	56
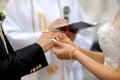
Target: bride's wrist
72	52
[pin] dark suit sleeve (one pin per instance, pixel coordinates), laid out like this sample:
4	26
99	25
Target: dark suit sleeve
23	61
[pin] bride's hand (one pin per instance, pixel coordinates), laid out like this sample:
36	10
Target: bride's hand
63	38
62	50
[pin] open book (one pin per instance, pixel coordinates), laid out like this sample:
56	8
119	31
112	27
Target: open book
76	26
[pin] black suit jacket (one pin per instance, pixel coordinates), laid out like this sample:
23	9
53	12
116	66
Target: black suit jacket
21	62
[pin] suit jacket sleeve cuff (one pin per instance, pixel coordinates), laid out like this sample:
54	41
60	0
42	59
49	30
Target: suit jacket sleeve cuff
32	58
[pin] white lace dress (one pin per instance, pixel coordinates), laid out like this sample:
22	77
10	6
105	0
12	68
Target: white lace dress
109	40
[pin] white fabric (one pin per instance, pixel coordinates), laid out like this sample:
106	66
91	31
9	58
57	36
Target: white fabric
18	28
85	38
109	39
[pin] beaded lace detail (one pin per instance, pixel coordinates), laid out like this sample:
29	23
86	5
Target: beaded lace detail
109	40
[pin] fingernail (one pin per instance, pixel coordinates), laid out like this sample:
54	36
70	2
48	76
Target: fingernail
54	40
46	31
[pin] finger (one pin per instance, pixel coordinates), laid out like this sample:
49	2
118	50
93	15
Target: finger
56	42
55	49
46	31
